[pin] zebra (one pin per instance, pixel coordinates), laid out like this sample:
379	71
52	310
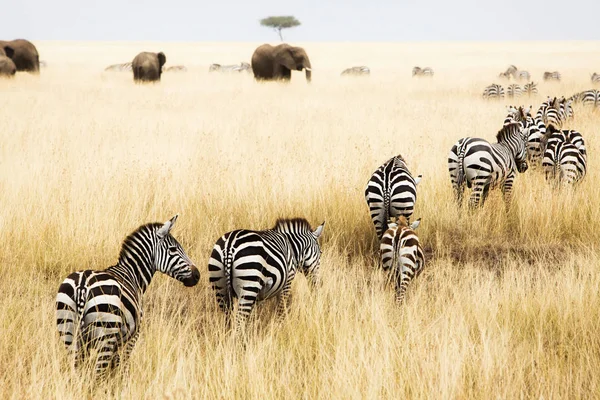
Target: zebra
175	68
514	91
595	77
401	252
478	163
243	66
522	75
552	76
511	71
257	265
536	141
418	71
124	67
391	192
361	70
587	97
102	309
553	112
504	75
493	91
565	157
530	89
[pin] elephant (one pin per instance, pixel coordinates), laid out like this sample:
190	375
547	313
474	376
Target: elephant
277	62
147	67
7	66
24	54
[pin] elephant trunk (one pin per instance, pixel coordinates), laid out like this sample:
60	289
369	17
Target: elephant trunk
308	71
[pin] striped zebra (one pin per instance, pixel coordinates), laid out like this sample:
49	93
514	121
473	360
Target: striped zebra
552	112
125	67
243	66
391	192
485	166
536	141
101	310
514	90
587	98
401	253
257	265
504	75
530	89
552	76
595	77
493	91
418	71
565	157
522	75
361	70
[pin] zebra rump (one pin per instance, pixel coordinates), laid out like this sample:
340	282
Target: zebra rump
401	253
391	192
494	91
565	157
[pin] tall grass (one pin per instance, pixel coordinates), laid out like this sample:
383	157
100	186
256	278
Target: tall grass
506	307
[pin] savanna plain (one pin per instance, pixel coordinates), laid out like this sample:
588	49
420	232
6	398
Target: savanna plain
508	305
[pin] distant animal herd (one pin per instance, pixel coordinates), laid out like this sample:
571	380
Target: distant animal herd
101	309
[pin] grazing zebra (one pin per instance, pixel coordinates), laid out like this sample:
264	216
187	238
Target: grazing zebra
595	77
485	166
361	70
552	76
493	91
175	68
258	265
391	192
530	89
102	310
418	71
243	66
125	67
514	91
401	252
565	157
522	75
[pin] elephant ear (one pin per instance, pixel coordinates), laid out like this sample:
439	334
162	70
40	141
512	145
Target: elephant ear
286	58
162	59
9	51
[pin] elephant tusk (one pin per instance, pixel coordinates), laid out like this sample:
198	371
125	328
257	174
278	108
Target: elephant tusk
308	69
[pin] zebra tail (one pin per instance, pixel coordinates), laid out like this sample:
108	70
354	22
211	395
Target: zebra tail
460	173
227	267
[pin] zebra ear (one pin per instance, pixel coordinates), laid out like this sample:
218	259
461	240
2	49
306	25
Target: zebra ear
415	224
166	228
319	230
418	179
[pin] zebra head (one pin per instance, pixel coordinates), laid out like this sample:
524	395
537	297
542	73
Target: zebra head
311	257
171	259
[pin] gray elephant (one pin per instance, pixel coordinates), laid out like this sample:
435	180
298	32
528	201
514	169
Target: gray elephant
147	67
24	54
7	66
277	62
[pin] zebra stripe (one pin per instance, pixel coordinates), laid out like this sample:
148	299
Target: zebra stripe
552	112
120	67
361	70
587	98
418	71
517	115
257	265
565	157
514	90
595	77
401	252
536	141
530	89
493	91
243	66
523	75
102	309
484	166
552	76
391	192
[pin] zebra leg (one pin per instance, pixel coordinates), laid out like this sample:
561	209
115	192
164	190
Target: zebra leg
247	299
507	189
283	300
226	305
480	192
107	349
402	282
123	358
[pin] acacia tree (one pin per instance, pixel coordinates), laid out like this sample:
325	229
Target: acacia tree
279	23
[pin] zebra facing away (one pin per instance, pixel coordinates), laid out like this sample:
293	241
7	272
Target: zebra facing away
565	156
401	252
530	89
587	98
243	66
493	91
514	90
485	166
361	70
258	265
99	311
391	192
552	76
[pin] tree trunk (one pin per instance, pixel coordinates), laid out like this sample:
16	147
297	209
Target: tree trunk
279	32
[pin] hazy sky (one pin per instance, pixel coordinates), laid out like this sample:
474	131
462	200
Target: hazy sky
322	20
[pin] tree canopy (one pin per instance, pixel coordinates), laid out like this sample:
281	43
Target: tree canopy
279	23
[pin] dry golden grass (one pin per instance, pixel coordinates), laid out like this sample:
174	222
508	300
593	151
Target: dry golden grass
508	305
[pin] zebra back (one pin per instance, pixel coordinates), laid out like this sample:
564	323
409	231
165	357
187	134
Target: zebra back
530	89
514	90
494	91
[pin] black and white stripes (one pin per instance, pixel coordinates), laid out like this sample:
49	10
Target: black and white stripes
565	156
359	70
241	67
102	309
494	91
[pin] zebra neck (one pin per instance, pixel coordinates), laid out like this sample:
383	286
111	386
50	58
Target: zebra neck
136	271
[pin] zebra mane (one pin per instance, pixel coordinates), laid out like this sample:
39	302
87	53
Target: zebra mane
153	226
401	221
511	129
284	224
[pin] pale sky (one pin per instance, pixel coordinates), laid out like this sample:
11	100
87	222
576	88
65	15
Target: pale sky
322	20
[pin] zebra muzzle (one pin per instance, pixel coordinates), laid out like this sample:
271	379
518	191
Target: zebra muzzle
192	280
